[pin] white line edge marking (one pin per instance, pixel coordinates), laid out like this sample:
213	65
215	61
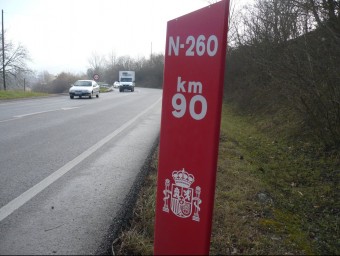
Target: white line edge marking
7	120
36	113
70	108
16	203
43	112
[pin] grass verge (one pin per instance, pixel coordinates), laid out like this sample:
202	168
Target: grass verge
137	239
273	196
13	94
104	89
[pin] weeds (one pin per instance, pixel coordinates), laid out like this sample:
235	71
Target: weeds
10	94
293	172
138	239
273	196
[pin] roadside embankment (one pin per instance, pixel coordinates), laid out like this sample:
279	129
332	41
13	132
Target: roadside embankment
273	196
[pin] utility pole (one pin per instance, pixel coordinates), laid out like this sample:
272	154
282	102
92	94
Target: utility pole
151	51
3	51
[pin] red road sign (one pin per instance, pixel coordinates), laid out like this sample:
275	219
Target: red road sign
190	125
96	77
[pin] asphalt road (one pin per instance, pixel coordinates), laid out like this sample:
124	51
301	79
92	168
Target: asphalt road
66	167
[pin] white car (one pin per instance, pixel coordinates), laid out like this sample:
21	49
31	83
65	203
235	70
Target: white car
116	84
84	88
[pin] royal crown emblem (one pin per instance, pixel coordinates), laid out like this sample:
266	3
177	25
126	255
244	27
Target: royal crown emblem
182	198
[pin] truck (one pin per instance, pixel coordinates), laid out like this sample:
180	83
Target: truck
126	80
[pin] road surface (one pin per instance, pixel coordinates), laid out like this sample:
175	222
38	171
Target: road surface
66	167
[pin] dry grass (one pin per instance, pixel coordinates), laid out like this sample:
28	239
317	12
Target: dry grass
15	94
138	239
270	198
238	212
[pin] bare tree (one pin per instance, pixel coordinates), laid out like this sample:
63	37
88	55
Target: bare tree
96	63
16	58
111	59
287	56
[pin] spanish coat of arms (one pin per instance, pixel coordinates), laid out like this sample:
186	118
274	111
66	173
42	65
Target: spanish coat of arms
182	197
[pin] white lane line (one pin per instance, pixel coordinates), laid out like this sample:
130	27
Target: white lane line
43	112
16	203
69	108
36	113
7	120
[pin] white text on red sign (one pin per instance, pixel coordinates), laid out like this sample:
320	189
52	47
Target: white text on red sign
179	102
194	46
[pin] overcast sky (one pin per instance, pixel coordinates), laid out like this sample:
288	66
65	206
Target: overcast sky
61	35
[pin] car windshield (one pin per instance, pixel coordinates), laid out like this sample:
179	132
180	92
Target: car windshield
83	83
126	79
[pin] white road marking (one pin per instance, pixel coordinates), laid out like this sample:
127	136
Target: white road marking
16	203
7	120
69	108
36	113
